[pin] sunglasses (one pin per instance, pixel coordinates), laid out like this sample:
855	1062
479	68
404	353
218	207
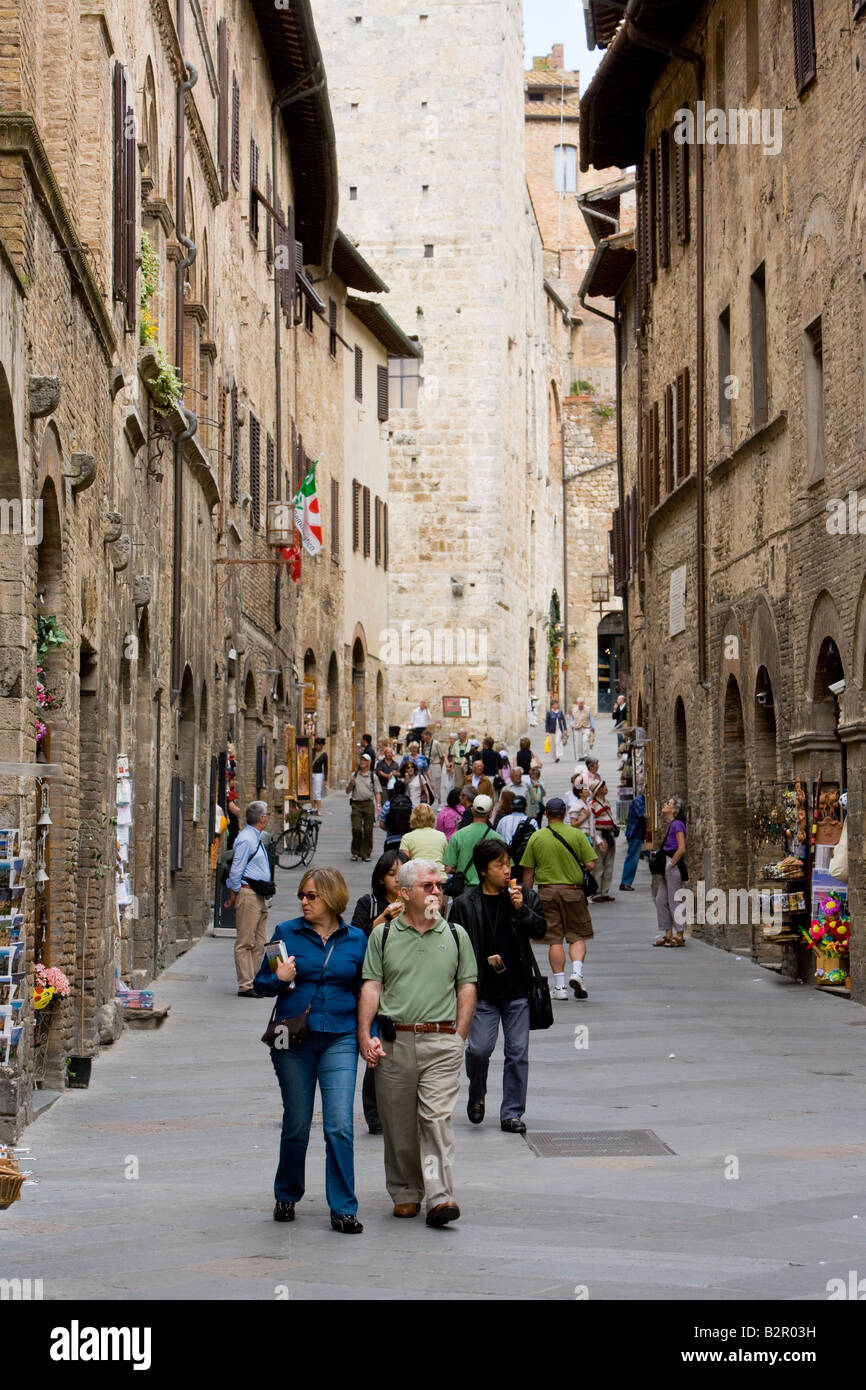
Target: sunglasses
310	897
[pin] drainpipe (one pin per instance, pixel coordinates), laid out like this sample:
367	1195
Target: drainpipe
687	55
189	417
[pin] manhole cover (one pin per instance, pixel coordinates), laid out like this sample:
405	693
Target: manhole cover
178	975
598	1143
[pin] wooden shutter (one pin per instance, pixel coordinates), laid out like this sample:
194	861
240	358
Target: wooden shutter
269	223
669	439
236	132
300	463
654	454
632	545
335	518
382	392
664	197
682	193
271	469
805	66
377	546
366	509
119	96
235	481
175	850
652	214
682	425
254	187
642	242
332	327
356	514
385	538
125	165
643	455
618	555
359	374
223	105
255	473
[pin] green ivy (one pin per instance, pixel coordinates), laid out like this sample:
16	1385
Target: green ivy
166	387
49	634
605	411
581	388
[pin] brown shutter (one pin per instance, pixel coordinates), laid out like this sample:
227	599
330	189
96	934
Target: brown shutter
366	509
805	66
652	214
632	545
254	185
235	482
223	107
119	99
654	454
618	558
382	392
356	514
125	165
269	223
643	242
385	537
236	132
669	439
335	518
255	473
643	454
332	326
377	542
359	374
682	193
664	195
271	469
682	425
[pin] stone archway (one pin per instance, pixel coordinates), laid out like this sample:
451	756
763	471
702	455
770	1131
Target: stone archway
359	679
380	706
765	754
680	752
247	744
732	860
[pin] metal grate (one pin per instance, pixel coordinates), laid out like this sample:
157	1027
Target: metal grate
598	1143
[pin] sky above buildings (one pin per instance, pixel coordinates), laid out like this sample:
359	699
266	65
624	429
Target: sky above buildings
546	22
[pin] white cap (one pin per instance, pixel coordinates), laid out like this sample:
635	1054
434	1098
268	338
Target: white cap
483	803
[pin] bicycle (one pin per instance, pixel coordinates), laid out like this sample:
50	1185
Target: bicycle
296	845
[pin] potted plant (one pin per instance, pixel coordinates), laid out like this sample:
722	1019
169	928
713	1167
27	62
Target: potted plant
78	1073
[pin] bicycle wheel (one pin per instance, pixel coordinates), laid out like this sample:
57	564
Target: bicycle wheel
311	839
288	850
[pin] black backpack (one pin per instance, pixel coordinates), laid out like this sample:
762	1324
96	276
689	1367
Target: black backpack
522	835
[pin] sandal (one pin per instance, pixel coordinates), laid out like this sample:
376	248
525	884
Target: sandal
677	941
663	941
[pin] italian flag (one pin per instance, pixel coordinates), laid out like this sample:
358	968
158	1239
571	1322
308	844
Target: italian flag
307	517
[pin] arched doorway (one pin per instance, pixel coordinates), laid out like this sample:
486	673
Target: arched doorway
248	743
359	678
680	751
380	706
54	703
610	641
734	789
311	698
333	708
764	761
826	702
182	859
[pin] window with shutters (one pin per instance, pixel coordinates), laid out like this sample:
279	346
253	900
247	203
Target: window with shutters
565	168
223	106
642	242
254	190
813	346
859	8
654	454
664	193
681	420
382	393
365	507
617	534
300	464
269	223
125	165
377	533
236	132
255	473
725	369
385	538
753	46
356	514
332	327
235	480
335	518
359	374
285	261
669	439
682	193
652	215
404	382
758	310
805	66
643	455
271	483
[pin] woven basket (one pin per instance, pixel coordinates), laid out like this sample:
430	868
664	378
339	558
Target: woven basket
10	1188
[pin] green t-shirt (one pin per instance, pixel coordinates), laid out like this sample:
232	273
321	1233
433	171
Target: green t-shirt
458	855
551	860
419	984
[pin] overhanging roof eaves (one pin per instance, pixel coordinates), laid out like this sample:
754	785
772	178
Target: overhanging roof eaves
353	270
557	299
383	327
295	59
612	263
601	21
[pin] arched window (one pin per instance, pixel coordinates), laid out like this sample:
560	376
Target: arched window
565	168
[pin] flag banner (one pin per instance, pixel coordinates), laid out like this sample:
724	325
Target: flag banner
307	517
292	556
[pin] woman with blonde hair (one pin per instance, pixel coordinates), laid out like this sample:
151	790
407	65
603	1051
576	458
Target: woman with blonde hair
319	982
423	841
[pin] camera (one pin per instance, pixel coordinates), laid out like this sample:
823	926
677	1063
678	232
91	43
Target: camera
387	1031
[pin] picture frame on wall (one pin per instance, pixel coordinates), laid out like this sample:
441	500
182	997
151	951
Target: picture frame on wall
304	778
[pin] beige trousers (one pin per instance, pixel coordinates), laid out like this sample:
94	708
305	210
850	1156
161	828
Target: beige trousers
251	920
417	1083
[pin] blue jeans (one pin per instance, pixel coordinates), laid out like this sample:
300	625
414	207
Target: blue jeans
632	859
332	1060
482	1039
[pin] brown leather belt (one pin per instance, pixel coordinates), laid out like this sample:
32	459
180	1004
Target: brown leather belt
426	1027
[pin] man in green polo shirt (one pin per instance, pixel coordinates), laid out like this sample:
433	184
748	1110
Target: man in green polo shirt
458	851
554	861
422	980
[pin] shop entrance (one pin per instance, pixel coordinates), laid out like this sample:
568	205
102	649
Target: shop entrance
611	648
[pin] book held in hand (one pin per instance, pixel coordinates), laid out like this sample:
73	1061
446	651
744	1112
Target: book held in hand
276	952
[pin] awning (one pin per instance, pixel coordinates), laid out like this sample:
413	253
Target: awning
383	327
610	267
353	270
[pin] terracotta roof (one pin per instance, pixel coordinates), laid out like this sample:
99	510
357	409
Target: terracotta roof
550	77
571	110
383	327
610	267
601	21
353	270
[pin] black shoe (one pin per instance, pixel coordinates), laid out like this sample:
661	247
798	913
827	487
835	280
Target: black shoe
513	1126
475	1111
375	1127
284	1211
247	994
577	985
347	1225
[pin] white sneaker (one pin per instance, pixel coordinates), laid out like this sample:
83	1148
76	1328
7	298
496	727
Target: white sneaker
558	993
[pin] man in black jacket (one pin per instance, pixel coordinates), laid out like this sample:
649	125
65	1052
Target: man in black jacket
500	918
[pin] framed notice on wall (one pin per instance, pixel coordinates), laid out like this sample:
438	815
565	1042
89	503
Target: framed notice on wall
456	707
303	759
291	765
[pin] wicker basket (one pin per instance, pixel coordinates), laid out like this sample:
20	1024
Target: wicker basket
10	1188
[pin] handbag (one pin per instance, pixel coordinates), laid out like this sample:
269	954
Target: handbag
657	861
540	1005
291	1032
590	882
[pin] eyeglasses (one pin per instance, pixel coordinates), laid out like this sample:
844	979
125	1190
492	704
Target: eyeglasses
310	897
429	887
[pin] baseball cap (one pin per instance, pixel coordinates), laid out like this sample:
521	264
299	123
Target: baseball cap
365	757
483	803
556	806
519	803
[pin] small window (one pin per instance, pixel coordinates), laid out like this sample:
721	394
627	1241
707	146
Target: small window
353	193
354	105
753	46
236	131
758	308
308	315
403	382
423	106
565	168
428	251
725	369
332	328
365	506
814	362
805	66
359	374
425	188
536	94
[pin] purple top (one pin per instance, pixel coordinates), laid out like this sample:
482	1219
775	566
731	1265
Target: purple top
670	844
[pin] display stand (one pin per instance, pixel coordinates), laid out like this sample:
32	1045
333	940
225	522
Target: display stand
11	943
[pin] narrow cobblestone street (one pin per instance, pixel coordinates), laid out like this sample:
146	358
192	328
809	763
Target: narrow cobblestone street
732	1068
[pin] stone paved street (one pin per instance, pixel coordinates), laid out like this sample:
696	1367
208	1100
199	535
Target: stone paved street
726	1063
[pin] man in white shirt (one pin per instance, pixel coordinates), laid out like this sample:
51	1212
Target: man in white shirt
583	725
419	720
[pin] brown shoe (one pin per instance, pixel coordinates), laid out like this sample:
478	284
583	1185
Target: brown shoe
446	1211
407	1208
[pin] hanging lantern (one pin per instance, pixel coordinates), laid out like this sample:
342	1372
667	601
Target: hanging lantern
44	814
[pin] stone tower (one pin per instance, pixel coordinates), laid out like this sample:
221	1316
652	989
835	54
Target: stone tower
428	106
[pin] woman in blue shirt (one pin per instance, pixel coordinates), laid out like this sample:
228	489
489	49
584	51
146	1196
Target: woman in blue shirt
323	973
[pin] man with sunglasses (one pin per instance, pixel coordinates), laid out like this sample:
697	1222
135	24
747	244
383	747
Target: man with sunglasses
419	979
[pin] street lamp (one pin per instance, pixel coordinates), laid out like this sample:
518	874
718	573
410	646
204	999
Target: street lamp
600	590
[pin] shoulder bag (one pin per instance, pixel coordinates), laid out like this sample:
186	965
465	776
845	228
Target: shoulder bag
291	1032
456	884
590	883
540	1006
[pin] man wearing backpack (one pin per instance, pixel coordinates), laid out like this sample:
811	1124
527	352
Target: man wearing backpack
458	851
555	860
419	979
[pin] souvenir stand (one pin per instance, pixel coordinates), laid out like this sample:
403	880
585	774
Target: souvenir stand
11	944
